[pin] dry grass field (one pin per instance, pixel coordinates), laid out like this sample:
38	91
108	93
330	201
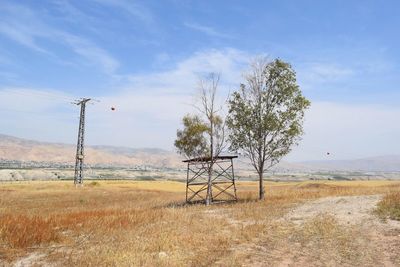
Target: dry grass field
122	223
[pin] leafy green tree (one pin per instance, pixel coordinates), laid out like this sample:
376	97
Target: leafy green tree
203	134
266	115
191	141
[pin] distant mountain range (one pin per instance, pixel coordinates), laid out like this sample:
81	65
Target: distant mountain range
13	148
389	163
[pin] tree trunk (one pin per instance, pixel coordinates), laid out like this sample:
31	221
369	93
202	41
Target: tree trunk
261	186
209	186
210	167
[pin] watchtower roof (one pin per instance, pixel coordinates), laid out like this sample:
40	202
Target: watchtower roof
206	159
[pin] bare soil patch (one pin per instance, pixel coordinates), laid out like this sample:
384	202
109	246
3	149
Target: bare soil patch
331	231
346	209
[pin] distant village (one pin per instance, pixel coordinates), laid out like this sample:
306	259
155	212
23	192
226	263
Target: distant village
16	170
17	164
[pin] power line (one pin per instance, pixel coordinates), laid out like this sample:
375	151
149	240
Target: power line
37	94
32	114
33	94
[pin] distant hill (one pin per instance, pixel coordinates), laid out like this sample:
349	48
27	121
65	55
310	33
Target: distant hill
13	148
390	163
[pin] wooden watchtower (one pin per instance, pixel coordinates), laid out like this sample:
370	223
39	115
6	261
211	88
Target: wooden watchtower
222	182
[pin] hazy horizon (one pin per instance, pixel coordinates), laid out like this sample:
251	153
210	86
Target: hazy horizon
136	57
327	158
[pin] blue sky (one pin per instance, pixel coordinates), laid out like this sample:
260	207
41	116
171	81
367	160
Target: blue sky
144	58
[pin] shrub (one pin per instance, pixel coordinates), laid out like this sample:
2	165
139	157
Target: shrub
94	183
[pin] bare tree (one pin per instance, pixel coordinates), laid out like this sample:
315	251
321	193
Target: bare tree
207	92
204	134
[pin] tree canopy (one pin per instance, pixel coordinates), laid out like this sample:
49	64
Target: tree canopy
266	114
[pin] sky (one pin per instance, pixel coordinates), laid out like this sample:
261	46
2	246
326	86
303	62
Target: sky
145	58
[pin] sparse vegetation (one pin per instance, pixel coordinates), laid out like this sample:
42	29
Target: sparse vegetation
145	224
94	183
389	206
326	241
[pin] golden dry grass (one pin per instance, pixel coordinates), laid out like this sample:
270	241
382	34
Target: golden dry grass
389	206
329	243
20	231
123	223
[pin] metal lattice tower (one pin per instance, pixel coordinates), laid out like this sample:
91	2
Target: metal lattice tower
222	181
78	178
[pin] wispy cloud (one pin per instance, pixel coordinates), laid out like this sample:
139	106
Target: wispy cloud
19	35
147	105
155	102
313	74
76	16
207	30
19	24
229	62
25	27
150	106
91	52
132	7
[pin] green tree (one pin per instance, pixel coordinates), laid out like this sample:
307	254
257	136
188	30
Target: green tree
266	115
203	134
191	142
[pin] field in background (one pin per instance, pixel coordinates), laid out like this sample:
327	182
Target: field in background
120	223
142	173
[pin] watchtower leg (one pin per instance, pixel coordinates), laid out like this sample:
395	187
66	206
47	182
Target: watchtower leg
187	181
233	180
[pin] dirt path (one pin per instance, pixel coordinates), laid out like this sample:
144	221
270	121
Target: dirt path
30	260
347	210
356	212
331	231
